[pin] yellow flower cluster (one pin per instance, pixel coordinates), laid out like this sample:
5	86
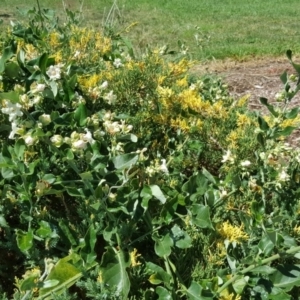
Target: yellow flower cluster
291	122
243	120
232	233
54	41
179	68
218	253
87	82
84	45
134	255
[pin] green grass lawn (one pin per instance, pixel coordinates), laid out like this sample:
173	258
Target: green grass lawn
228	28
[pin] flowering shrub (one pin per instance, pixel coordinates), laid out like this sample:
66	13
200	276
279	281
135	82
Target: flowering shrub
125	177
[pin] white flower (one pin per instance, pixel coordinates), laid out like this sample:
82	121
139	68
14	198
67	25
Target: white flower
76	54
29	140
107	116
150	171
54	72
223	193
79	144
112	128
117	63
163	167
14	130
110	97
57	140
12	109
129	128
104	85
45	119
283	176
262	155
36	100
193	86
227	157
280	96
88	137
245	163
40	87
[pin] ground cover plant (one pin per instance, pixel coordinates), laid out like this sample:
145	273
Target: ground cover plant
210	29
126	177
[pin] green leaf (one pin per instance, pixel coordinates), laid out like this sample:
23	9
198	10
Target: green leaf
286	277
72	191
260	139
146	195
43	62
45	230
65	274
21	57
125	160
163	246
113	272
270	107
285	132
70	154
275	237
127	137
3	222
48	283
196	183
159	275
208	176
11	96
293	113
201	216
12	70
181	238
6	55
157	193
87	252
7	173
20	148
86	176
24	240
28	283
240	284
50	178
31	167
80	114
266	270
289	54
263	124
67	232
265	245
163	293
194	292
284	77
54	88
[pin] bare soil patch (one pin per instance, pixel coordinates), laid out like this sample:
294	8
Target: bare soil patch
257	78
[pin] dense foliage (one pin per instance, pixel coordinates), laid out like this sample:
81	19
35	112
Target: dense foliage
127	177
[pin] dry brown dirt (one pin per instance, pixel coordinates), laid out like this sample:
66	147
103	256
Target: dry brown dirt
257	78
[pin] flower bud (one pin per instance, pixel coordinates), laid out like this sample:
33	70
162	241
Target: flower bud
57	140
29	140
45	119
79	145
